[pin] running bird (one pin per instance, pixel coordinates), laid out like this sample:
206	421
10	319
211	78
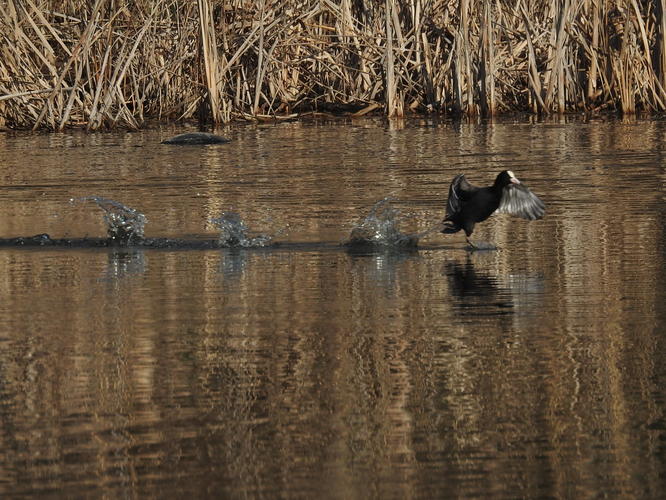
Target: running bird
469	204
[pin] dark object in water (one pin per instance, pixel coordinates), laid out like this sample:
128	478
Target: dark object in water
362	243
39	240
469	204
44	240
196	138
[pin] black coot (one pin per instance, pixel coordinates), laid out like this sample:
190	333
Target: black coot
469	204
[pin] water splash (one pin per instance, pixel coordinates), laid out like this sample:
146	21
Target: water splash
124	225
380	228
234	232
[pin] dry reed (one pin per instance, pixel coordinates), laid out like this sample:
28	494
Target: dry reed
118	63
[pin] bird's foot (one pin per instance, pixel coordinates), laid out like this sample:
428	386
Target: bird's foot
480	246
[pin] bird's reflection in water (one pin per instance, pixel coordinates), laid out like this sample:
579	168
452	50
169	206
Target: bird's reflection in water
477	292
125	262
480	292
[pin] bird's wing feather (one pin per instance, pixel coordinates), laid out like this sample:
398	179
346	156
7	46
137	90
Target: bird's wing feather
518	200
459	191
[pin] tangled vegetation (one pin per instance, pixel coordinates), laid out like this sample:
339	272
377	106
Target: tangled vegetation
105	63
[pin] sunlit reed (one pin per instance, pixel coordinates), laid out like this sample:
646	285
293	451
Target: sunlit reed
118	63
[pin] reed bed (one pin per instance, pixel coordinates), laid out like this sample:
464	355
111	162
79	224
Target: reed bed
108	63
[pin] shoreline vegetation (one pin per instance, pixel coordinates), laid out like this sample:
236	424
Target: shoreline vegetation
118	63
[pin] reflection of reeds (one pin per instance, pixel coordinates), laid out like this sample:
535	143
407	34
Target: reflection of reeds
100	64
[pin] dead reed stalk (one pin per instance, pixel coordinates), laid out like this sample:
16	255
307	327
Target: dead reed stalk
117	63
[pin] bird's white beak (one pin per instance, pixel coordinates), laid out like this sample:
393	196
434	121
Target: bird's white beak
512	177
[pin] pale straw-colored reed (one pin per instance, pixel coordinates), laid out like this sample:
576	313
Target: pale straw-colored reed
111	63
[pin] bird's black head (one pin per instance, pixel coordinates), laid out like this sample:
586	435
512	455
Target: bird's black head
505	178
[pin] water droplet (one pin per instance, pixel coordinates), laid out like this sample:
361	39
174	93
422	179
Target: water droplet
380	228
124	225
234	232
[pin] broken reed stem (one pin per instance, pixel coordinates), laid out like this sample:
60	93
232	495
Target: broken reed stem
71	63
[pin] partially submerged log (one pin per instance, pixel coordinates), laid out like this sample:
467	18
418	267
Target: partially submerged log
196	138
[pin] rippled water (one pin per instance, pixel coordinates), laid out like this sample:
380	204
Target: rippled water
310	370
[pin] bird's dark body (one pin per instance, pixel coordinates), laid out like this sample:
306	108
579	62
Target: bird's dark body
477	206
467	204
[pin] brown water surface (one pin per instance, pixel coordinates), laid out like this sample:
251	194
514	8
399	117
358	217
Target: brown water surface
307	371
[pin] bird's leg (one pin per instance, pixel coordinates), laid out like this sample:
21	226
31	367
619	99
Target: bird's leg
470	243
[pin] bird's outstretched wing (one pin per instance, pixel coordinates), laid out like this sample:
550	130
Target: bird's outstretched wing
518	200
459	191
